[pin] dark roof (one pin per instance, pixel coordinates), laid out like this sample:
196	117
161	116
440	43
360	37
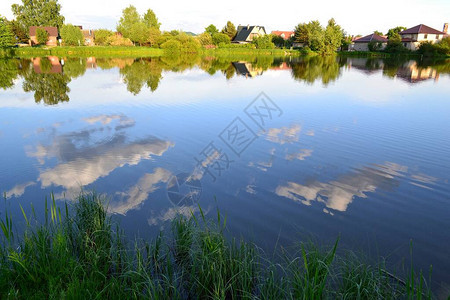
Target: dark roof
371	37
243	32
421	29
52	31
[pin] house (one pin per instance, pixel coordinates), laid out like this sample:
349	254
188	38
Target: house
286	35
362	43
88	35
246	69
47	65
52	35
245	34
412	37
412	73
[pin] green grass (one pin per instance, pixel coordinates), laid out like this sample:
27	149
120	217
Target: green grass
81	252
97	51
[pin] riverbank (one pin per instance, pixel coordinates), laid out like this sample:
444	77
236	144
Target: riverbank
110	51
80	252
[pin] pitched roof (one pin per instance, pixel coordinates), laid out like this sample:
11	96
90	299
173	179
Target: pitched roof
371	37
421	29
243	32
287	34
52	31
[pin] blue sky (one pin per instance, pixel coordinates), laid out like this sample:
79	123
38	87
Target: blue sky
356	17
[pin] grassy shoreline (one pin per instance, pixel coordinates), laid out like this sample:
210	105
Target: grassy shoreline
83	254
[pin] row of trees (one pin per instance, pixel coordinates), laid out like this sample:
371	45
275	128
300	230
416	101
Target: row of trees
321	39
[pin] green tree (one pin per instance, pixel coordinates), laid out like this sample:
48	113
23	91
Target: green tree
74	67
205	39
333	37
71	35
9	72
374	46
311	35
49	88
153	36
142	72
218	38
211	29
378	32
139	33
37	13
41	36
263	42
229	30
278	41
393	33
6	34
20	35
102	36
150	19
130	17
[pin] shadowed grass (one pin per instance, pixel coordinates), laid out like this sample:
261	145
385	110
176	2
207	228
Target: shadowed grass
83	254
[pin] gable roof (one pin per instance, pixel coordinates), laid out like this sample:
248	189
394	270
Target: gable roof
287	34
52	31
243	32
371	37
421	29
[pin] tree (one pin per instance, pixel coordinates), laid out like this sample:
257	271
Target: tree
278	41
130	17
71	35
6	34
333	37
211	29
263	42
41	36
139	33
150	20
205	39
218	38
311	35
102	36
378	32
19	34
153	36
37	13
229	30
374	46
394	32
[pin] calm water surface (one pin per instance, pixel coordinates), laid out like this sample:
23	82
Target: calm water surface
354	147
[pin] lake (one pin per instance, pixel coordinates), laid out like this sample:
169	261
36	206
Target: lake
287	148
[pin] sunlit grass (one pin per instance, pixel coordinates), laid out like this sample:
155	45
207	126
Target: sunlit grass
81	253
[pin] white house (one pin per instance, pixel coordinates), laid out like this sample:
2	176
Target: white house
412	37
362	43
245	34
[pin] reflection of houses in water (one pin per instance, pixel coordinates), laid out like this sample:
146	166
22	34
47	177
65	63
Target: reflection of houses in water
367	66
91	63
283	66
411	73
49	64
246	69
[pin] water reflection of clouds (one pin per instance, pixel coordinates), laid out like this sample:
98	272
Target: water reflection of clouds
338	194
19	189
82	161
137	194
284	135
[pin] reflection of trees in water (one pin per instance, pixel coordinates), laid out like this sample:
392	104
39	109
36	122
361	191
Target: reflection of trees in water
144	71
310	69
50	88
9	72
74	67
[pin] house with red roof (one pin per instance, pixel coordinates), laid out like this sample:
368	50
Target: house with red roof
362	43
52	35
412	37
286	35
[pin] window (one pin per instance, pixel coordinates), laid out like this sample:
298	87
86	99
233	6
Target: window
425	36
405	44
437	36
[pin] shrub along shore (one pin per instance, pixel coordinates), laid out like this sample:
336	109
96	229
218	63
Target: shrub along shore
82	253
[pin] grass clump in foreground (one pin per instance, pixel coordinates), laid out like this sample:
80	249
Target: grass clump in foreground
84	255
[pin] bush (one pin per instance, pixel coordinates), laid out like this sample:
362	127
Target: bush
242	46
192	46
218	38
205	39
117	40
41	36
429	49
172	46
6	34
71	35
374	46
102	36
263	42
395	47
